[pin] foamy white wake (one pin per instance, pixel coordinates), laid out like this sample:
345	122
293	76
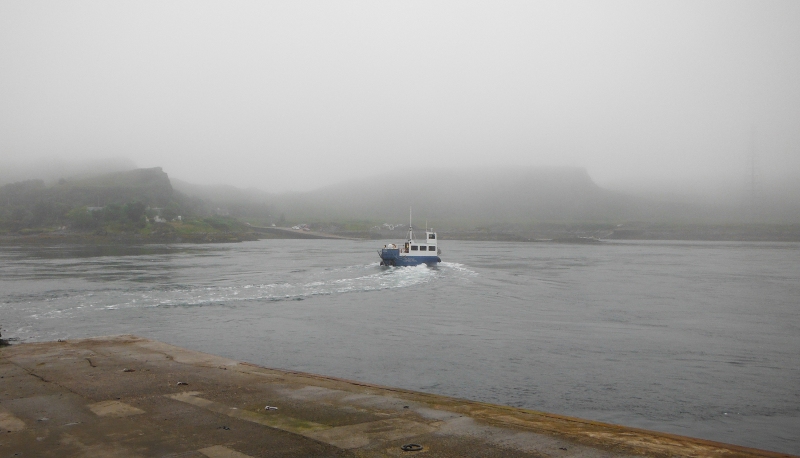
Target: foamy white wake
376	279
340	280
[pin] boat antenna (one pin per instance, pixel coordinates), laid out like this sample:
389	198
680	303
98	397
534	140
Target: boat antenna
410	234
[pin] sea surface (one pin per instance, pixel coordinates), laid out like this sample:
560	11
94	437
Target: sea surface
694	338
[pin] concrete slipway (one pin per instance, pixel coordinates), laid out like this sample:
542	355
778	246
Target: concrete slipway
131	397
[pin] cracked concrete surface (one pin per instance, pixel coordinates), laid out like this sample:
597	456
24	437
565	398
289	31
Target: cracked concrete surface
120	396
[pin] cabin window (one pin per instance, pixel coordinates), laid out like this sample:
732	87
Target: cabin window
430	248
413	248
431	236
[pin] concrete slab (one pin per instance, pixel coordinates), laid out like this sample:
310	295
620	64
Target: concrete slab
10	423
131	397
113	409
219	451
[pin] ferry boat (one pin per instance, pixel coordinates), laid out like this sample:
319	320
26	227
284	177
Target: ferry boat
412	252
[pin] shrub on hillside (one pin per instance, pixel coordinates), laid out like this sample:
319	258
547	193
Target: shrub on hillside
82	218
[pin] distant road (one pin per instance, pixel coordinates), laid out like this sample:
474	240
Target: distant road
289	233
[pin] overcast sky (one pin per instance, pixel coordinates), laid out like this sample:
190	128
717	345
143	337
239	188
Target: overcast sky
295	95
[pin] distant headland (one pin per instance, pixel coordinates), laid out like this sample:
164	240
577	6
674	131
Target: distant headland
533	204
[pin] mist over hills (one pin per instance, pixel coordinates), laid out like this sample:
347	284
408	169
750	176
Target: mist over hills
51	171
456	196
229	200
148	186
459	197
454	199
221	193
536	195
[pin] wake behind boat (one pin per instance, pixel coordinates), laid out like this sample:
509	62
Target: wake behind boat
412	252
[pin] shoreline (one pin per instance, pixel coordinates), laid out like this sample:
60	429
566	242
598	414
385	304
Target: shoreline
570	234
122	239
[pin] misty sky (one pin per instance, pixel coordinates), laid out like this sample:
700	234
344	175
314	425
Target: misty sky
295	95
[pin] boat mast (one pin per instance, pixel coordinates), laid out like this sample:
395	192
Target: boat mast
410	234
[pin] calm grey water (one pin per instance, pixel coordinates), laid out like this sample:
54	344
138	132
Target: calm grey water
699	339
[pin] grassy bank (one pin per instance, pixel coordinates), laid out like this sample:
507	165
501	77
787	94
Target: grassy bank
199	230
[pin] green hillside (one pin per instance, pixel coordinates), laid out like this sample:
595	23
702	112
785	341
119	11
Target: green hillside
138	203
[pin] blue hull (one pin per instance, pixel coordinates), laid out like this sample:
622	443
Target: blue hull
391	257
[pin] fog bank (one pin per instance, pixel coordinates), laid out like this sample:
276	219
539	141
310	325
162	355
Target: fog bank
296	96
